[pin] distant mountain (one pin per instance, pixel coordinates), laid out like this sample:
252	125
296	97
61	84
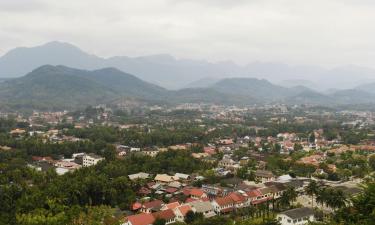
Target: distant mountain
202	83
310	97
257	88
298	82
210	95
353	96
369	87
61	87
64	87
169	72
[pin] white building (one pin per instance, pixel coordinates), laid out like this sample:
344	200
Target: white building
298	216
91	159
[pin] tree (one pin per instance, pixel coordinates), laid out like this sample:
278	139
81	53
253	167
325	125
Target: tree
312	189
288	196
322	196
371	162
159	221
312	137
192	216
335	198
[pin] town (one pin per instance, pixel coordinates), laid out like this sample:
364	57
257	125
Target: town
190	163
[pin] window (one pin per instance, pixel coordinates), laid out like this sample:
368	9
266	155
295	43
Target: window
289	221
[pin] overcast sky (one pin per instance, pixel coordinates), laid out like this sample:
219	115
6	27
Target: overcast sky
322	32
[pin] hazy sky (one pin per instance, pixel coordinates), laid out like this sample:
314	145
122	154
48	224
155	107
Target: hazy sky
323	32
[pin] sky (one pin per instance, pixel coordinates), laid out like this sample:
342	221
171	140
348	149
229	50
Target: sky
319	32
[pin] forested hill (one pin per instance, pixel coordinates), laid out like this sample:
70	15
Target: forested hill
64	87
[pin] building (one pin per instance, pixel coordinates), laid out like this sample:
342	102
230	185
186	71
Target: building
139	219
223	205
167	215
203	207
181	212
91	159
140	175
296	216
164	178
264	176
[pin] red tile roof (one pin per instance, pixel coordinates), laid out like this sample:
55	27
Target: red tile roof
172	205
152	204
136	206
223	201
188	200
254	193
237	197
184	209
141	219
171	190
196	192
166	214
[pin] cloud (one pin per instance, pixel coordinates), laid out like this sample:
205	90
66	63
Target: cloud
15	6
293	31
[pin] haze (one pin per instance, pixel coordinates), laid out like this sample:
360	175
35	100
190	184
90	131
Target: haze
319	32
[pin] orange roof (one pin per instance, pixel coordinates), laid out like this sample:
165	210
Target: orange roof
136	206
237	198
184	209
166	214
152	204
172	205
254	193
141	219
188	200
196	192
223	201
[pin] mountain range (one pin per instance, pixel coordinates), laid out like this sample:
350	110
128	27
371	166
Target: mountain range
169	72
63	76
62	87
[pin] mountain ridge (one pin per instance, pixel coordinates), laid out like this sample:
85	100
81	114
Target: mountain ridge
173	73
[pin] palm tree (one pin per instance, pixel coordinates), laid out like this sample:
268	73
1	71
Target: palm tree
322	196
288	196
312	189
336	199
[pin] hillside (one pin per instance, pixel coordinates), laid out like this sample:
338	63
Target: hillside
257	88
64	87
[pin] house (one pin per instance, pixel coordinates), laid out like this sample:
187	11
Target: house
168	215
181	212
17	132
227	162
212	190
195	193
296	216
164	178
203	207
91	159
223	205
182	176
63	167
140	175
264	176
240	201
171	205
150	152
152	206
139	219
226	141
